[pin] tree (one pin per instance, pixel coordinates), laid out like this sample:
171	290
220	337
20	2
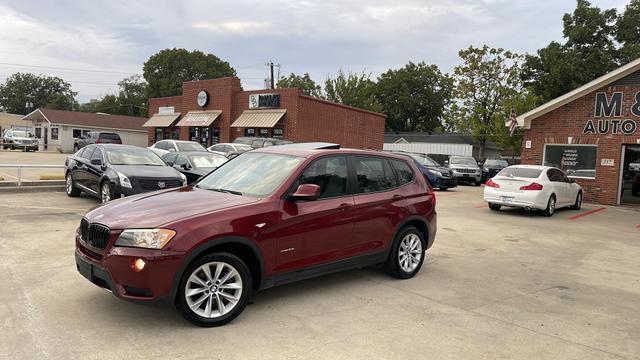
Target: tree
414	97
589	52
483	83
303	82
131	99
41	90
168	69
521	102
628	32
352	89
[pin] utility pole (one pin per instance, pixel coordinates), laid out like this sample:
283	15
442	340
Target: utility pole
273	85
272	82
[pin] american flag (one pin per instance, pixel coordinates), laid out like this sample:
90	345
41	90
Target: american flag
514	122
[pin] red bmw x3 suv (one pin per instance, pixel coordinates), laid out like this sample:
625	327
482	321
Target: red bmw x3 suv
268	217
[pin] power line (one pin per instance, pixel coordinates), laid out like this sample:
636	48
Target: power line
66	69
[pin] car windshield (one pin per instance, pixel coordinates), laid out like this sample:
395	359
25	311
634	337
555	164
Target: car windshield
463	161
496	163
207	160
190	146
520	172
424	160
18	133
133	156
252	174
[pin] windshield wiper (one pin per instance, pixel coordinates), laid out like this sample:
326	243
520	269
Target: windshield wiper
227	191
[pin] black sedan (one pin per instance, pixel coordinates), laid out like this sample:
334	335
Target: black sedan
492	167
194	164
111	171
439	176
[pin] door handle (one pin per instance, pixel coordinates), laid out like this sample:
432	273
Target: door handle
344	207
396	197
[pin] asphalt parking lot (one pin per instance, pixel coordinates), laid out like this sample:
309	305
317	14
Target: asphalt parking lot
495	286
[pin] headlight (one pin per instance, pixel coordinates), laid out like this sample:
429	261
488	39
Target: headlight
435	172
124	181
184	179
145	238
485	169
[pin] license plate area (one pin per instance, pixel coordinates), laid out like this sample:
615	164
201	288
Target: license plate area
507	199
85	270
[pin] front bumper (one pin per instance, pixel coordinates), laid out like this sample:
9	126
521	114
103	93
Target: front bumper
443	182
463	177
112	270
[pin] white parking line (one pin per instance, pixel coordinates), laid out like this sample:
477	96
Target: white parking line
41	207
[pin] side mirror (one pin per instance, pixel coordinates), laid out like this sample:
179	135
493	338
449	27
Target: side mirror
170	163
306	192
185	166
96	162
572	180
446	162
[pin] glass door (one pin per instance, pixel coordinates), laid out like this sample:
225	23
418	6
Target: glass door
630	187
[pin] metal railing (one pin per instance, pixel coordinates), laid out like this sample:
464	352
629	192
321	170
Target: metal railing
28	166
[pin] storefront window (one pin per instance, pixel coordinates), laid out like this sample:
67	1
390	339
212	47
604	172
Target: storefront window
194	134
175	133
574	160
249	132
215	135
277	133
54	133
264	132
159	134
38	133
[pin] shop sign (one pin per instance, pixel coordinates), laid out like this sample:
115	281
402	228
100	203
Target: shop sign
613	107
262	101
607	162
166	110
202	98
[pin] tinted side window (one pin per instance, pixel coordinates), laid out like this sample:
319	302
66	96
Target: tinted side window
404	172
554	175
86	154
329	173
162	145
373	174
218	148
170	158
181	160
109	137
97	154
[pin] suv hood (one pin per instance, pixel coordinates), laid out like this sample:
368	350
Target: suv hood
147	171
463	166
155	209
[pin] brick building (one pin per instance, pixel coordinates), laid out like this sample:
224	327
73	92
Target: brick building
218	110
593	134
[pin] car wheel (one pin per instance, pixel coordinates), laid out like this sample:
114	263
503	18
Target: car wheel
551	206
444	188
578	204
106	191
477	183
214	290
495	207
407	254
70	186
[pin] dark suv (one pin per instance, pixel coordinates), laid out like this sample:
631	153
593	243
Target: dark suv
268	217
96	137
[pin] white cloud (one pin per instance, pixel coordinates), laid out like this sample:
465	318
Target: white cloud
233	27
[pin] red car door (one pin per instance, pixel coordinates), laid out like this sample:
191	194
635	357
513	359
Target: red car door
378	203
318	231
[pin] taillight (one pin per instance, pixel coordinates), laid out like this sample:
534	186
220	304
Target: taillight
532	186
491	183
98	141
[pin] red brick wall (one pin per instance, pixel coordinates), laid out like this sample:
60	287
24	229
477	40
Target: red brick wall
155	103
351	127
569	121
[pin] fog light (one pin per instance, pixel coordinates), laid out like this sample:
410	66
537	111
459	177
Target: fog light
138	265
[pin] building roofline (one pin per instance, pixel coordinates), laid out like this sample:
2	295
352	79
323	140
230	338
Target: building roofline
524	120
34	111
305	96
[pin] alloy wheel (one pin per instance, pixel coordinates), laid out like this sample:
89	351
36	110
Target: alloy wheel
552	205
410	253
105	193
213	289
69	184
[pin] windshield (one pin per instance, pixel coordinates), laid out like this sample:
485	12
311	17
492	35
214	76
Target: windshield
189	146
133	156
463	161
207	160
520	172
253	174
424	160
18	133
496	163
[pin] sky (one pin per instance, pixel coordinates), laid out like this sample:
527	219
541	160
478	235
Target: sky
94	44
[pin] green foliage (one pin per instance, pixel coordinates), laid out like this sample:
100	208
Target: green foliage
168	69
303	82
597	42
131	99
352	89
522	102
487	80
414	97
41	90
628	32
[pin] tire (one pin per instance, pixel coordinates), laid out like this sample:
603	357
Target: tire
444	188
405	269
578	204
477	183
551	206
70	186
106	191
204	314
495	207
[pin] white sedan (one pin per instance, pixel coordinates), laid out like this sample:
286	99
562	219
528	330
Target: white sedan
533	188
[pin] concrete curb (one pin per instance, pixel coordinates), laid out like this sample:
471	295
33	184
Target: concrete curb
50	186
